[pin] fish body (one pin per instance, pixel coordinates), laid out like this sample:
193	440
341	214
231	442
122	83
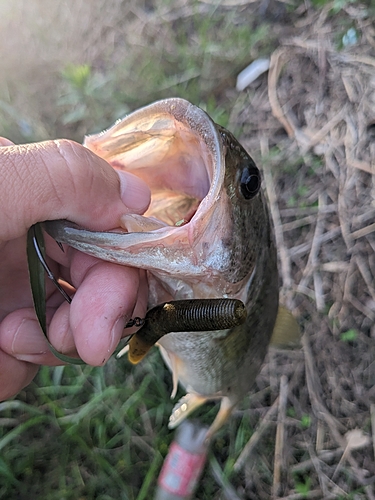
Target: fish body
207	234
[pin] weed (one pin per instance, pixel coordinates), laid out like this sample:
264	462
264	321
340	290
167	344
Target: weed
349	336
303	488
305	421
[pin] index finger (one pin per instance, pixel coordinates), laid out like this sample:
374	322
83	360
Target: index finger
107	296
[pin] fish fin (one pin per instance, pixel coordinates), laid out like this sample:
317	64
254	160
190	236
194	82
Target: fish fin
191	402
175	386
174	363
123	351
184	407
226	409
174	367
286	332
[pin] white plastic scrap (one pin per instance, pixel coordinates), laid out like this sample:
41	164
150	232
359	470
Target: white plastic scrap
251	73
350	38
356	438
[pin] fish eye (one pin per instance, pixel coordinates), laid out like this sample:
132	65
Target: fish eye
250	182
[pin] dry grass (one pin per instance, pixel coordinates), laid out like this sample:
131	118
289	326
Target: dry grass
322	101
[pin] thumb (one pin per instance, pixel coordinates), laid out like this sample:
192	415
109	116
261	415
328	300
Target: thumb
63	180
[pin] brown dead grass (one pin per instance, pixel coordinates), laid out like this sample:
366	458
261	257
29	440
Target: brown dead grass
319	112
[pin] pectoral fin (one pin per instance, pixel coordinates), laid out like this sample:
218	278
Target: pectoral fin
191	402
226	409
184	407
286	332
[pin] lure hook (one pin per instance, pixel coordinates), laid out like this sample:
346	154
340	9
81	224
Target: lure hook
138	322
47	269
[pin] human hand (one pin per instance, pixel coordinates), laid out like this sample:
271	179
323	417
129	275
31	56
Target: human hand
63	180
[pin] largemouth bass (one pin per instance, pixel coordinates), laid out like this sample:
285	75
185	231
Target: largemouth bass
206	235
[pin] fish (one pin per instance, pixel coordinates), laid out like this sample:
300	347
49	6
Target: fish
206	236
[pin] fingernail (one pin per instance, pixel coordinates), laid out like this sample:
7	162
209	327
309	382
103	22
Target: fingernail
134	192
29	339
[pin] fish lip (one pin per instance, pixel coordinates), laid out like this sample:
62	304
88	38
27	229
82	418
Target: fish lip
194	117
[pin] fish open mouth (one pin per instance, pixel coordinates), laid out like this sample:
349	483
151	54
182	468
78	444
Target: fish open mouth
173	147
176	149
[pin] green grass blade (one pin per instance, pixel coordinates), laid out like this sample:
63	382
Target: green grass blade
149	480
36	256
17	431
36	274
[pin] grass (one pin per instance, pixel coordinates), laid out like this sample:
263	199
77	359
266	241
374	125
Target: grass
83	432
79	433
185	49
